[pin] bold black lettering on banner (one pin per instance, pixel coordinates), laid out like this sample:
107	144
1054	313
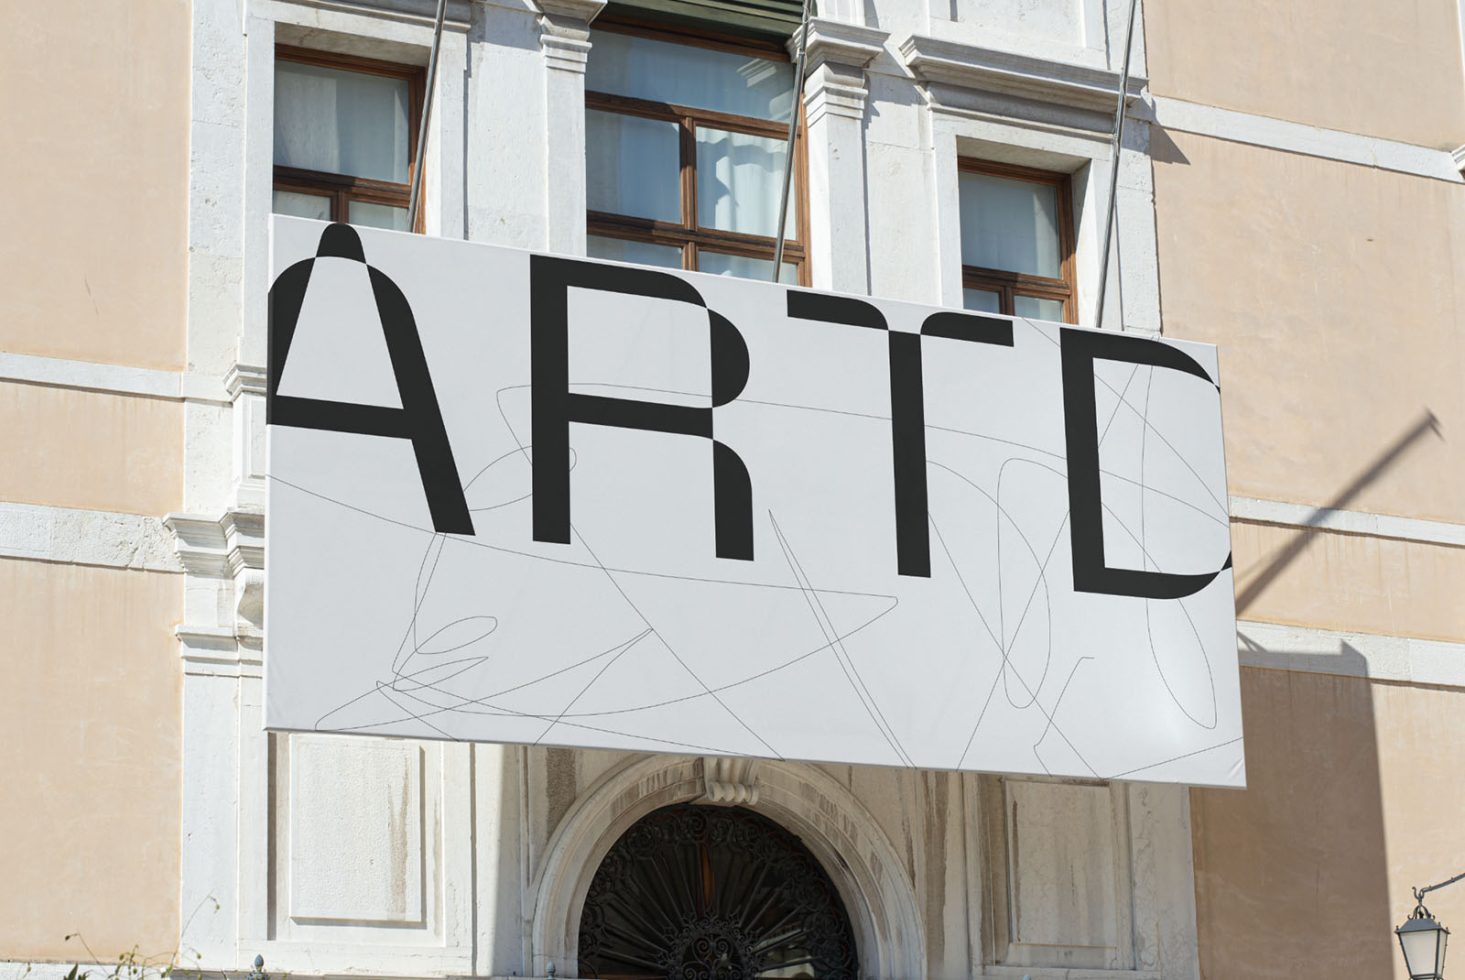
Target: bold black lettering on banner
1080	349
555	406
907	405
419	419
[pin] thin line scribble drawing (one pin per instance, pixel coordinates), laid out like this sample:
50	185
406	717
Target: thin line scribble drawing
998	532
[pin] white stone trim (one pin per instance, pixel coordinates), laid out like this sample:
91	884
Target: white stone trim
85	537
118	379
839	43
1458	155
1293	137
831	821
1323	651
417	13
935	60
221	545
20	970
1049	141
1254	510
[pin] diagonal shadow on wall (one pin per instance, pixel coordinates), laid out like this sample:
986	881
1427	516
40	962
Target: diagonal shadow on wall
1276	563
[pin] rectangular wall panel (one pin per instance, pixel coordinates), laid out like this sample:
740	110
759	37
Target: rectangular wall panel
356	831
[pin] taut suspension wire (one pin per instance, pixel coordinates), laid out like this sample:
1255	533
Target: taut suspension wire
1119	110
437	40
793	132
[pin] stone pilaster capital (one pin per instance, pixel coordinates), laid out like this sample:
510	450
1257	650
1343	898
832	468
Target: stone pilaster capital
564	31
835	42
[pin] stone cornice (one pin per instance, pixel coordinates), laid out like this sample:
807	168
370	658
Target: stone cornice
564	32
219	547
966	66
582	10
457	17
837	43
1458	155
244	378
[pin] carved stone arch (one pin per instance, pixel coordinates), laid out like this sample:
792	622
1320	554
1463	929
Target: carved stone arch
832	823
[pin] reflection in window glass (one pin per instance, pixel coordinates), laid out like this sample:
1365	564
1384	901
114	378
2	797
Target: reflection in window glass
378	216
1010	224
743	267
302	205
1038	309
739	181
981	300
700	77
341	122
633	166
641	253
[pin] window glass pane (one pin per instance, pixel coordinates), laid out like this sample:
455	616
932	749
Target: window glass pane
641	253
1010	225
981	300
703	78
633	166
341	122
302	205
739	180
744	267
379	215
1038	309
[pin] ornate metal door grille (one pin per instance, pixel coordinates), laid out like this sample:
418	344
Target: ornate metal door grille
713	893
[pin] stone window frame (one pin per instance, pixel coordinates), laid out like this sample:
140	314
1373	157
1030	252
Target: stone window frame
342	189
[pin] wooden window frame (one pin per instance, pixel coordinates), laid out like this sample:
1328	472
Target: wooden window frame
1008	285
687	234
342	189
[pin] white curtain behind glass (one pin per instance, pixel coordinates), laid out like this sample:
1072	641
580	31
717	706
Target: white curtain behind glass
739	180
633	166
1010	225
703	78
744	267
341	122
302	205
641	253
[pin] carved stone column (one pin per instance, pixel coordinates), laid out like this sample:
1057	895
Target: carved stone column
565	39
836	56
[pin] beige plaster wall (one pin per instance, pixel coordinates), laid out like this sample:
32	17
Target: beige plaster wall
93	247
1307	577
1387	68
1337	296
70	448
90	690
1350	800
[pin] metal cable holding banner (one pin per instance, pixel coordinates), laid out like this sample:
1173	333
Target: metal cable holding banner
1119	110
793	132
437	41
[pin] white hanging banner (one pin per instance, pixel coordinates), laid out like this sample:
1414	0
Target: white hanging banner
527	498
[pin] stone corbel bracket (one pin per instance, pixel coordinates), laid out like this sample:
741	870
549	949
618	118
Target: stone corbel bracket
836	55
837	43
965	66
224	607
1458	155
565	31
729	781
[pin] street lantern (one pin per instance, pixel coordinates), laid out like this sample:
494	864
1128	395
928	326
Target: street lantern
1423	941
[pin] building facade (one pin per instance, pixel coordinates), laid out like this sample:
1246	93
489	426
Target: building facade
1289	189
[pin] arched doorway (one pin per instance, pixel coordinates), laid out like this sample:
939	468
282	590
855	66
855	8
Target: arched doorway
713	893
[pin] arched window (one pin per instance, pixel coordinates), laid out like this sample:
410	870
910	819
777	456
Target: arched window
713	893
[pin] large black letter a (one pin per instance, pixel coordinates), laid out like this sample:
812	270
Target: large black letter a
419	419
